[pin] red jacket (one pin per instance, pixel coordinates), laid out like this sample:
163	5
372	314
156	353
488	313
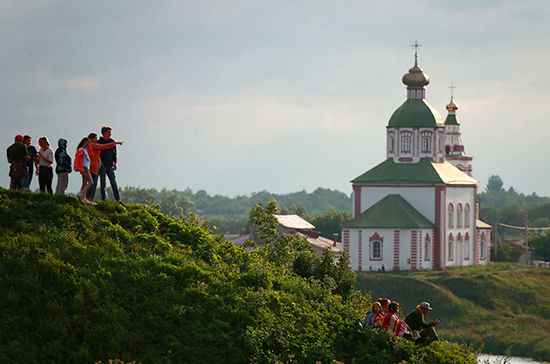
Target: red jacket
94	151
79	160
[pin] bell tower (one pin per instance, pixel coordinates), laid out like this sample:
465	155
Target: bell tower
454	148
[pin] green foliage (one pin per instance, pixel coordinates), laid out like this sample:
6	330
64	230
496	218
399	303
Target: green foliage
171	202
540	242
83	284
331	222
506	253
314	203
493	307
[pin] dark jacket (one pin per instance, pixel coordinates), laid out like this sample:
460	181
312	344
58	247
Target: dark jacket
415	320
17	153
108	156
62	158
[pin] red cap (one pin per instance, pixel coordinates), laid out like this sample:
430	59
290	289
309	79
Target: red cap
18	138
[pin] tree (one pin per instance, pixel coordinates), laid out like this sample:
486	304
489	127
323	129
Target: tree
331	221
540	242
174	204
494	184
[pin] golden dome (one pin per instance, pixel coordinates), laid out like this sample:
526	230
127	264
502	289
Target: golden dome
452	106
416	76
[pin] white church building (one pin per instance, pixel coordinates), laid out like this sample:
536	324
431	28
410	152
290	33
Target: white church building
418	209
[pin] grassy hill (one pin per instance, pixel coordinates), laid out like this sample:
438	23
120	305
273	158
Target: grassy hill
80	284
500	306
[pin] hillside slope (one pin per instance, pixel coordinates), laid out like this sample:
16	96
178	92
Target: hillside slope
500	310
81	284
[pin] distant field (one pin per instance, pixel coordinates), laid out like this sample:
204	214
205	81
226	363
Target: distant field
500	306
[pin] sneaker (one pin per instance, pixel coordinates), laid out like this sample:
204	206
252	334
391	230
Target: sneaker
91	202
120	202
80	197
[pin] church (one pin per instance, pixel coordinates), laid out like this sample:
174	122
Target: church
418	209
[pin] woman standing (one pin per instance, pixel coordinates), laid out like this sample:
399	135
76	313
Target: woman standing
45	165
82	165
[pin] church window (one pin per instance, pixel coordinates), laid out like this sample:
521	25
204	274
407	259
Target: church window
406	144
467	248
427	248
425	144
391	144
483	246
451	250
457	148
459	216
376	245
447	149
451	215
467	216
376	250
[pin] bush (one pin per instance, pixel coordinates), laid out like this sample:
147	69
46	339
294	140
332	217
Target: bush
81	285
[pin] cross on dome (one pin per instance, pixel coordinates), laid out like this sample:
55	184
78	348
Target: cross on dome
452	87
416	45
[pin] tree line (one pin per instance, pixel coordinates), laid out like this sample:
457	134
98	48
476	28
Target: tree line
501	206
325	208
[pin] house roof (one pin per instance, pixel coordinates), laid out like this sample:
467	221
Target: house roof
393	211
482	225
322	243
294	222
424	172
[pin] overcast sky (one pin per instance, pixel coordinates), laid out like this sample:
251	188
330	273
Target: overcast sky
235	97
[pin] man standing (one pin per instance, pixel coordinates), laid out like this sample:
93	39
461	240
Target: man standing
415	320
94	151
18	155
108	164
33	153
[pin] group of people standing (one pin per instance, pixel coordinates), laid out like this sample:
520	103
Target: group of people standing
383	316
94	158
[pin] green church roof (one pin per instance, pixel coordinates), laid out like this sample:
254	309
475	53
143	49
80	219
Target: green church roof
424	172
416	113
392	212
452	119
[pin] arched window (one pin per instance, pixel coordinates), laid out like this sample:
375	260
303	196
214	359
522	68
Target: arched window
425	144
467	216
376	245
459	216
451	250
427	248
483	247
406	144
467	248
391	144
447	149
451	215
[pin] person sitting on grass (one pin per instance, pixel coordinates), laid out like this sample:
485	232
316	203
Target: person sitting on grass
368	321
393	325
415	320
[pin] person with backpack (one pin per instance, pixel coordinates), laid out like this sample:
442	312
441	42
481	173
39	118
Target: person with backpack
82	165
